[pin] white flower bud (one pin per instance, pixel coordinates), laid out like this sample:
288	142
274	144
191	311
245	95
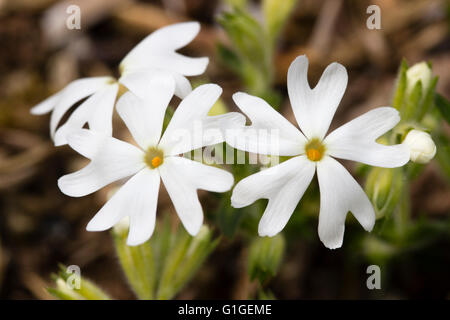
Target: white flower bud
421	146
418	72
122	226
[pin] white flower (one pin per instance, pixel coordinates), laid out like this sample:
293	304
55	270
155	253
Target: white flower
153	56
421	146
157	157
284	184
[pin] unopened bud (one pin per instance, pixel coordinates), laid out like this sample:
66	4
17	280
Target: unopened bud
121	228
383	187
265	256
421	146
418	72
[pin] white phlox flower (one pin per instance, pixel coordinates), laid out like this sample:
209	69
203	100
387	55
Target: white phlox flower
157	158
284	184
153	56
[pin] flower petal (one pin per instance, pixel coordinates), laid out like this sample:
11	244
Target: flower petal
182	178
182	85
137	81
137	198
47	105
74	92
157	50
112	160
355	140
169	38
284	186
96	110
144	117
179	63
314	108
340	193
269	133
172	37
191	127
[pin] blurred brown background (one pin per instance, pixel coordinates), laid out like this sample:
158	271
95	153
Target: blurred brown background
40	227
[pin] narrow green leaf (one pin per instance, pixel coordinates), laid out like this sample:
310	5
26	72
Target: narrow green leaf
428	100
400	86
443	106
138	265
410	108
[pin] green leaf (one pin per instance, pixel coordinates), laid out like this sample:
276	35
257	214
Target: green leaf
400	86
410	108
251	54
185	256
138	265
384	188
228	218
428	99
443	153
276	13
242	4
87	290
443	106
246	35
265	255
229	58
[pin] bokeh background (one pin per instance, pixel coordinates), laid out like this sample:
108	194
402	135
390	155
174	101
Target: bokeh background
40	227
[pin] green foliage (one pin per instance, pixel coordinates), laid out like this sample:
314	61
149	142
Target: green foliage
443	106
389	189
253	45
265	255
414	92
162	266
276	13
443	153
66	290
383	187
137	264
156	269
400	86
184	256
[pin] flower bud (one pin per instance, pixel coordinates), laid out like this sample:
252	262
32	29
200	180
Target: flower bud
418	72
265	256
121	228
71	286
383	187
421	146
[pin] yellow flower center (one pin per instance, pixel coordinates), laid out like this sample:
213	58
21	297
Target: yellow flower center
315	150
154	158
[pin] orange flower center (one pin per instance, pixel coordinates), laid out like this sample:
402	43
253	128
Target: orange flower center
156	161
315	150
154	158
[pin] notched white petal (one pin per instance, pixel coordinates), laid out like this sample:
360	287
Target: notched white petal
284	186
138	199
96	110
182	177
47	105
158	51
73	93
144	115
339	194
191	127
314	108
111	160
356	140
269	133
